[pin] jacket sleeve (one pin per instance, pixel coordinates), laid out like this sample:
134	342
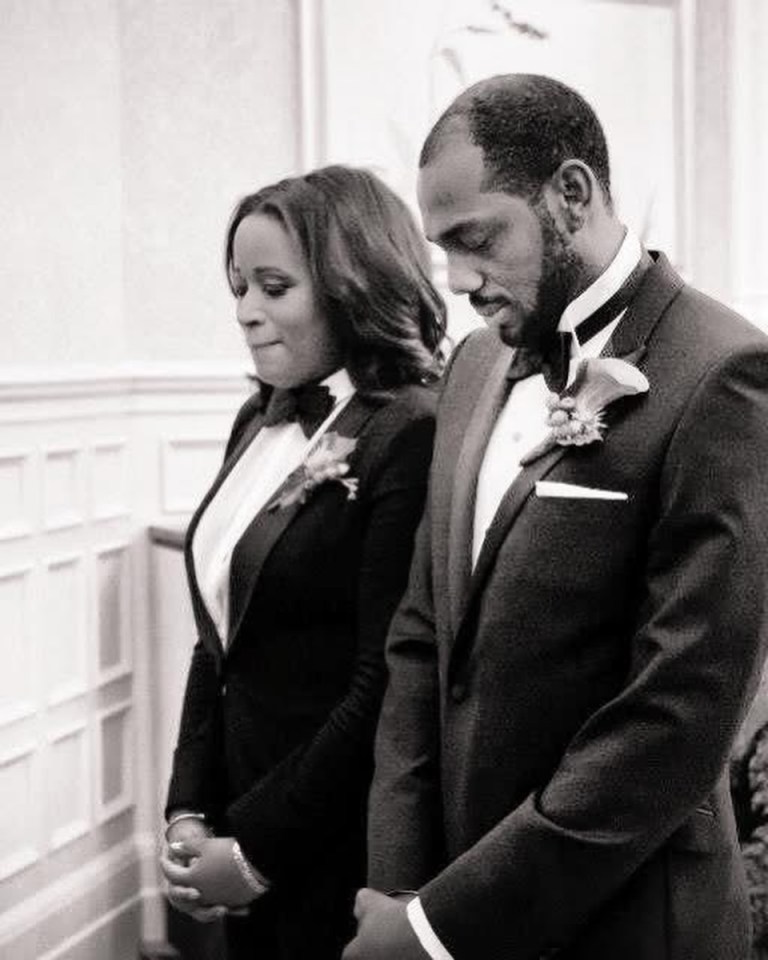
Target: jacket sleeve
194	777
287	818
641	765
405	818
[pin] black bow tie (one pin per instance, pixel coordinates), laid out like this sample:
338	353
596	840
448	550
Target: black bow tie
552	355
308	404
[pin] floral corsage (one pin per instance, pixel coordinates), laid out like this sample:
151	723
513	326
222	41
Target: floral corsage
326	462
576	416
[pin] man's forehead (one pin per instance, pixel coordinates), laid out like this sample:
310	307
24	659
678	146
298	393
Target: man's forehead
450	187
456	171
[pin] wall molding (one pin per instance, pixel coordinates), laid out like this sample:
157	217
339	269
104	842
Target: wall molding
58	383
93	878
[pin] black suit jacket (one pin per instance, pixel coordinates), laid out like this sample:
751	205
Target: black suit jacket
276	733
552	744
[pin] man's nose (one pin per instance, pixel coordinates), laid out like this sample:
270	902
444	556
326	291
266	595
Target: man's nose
463	277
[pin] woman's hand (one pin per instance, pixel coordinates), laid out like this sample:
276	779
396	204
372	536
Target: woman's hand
206	866
187	899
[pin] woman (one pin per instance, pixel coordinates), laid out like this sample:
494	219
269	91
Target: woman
297	558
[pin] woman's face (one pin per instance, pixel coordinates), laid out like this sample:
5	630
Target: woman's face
290	340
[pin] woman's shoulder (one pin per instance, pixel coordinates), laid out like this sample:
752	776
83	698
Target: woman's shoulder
405	417
407	404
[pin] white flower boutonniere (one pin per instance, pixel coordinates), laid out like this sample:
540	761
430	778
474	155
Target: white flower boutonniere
575	416
326	462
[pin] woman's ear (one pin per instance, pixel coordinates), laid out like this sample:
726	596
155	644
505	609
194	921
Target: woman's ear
576	186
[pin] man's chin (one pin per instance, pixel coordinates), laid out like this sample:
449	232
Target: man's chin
510	331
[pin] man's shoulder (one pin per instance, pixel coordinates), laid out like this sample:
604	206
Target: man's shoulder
708	328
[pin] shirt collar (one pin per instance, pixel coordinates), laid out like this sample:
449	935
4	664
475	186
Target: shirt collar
601	290
339	384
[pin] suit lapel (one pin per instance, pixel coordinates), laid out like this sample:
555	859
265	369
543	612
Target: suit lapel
208	631
476	436
658	288
511	504
266	528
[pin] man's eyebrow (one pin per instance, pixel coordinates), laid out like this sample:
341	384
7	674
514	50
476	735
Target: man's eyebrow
455	232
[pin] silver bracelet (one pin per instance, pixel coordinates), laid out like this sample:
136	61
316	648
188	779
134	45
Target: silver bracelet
255	883
183	816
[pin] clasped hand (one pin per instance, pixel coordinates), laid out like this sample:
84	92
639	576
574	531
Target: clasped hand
203	878
384	931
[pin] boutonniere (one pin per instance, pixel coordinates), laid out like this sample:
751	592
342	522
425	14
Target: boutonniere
575	417
326	462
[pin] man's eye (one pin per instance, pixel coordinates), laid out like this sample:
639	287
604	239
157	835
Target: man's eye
477	244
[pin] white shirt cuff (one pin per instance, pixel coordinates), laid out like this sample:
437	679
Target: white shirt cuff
424	932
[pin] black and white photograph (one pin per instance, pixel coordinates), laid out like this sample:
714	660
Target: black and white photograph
384	480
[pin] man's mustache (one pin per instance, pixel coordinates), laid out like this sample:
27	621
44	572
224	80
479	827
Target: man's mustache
486	304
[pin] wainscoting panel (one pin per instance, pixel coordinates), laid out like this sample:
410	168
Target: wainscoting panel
87	463
17	494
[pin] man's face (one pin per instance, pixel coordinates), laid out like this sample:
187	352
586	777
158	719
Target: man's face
504	251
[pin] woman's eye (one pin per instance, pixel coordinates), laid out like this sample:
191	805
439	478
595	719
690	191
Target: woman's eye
275	289
239	291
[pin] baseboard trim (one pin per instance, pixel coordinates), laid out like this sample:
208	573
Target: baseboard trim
45	926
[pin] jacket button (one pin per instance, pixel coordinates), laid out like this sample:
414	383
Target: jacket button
458	692
224	689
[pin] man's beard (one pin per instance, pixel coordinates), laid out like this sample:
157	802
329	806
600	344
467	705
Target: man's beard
561	269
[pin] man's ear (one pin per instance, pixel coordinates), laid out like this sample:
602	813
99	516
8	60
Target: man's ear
575	186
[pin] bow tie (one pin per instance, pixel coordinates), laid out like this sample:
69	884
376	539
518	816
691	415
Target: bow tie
552	355
308	404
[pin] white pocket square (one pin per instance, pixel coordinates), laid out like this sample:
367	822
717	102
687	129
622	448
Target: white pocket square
549	488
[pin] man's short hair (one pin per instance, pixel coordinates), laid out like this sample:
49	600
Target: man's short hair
526	125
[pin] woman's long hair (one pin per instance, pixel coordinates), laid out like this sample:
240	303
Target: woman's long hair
370	269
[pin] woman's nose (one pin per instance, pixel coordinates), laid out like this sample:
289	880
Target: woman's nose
250	309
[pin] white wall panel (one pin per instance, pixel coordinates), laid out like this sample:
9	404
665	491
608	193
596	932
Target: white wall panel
64	641
188	466
64	496
112	613
18	826
116	761
68	777
17	494
108	480
18	677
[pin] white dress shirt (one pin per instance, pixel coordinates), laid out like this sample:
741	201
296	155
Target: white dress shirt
520	426
273	454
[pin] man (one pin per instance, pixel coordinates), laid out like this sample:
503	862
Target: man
587	607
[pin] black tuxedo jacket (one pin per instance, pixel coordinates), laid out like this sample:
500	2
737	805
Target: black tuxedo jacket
551	752
275	744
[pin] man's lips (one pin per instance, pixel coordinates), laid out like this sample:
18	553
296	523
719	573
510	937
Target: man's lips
488	308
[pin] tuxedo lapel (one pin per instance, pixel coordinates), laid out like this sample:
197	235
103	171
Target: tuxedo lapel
489	403
266	528
208	631
511	504
659	286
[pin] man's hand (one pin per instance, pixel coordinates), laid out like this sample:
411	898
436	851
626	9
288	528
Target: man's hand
206	865
384	931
